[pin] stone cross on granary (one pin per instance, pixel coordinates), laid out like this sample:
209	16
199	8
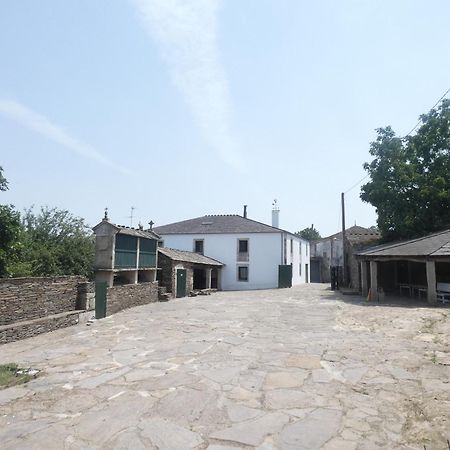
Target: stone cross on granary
151	223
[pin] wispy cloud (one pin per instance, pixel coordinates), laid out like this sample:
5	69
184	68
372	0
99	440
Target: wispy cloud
43	126
186	33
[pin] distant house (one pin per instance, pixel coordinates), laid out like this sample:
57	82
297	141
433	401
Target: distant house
329	252
255	255
124	255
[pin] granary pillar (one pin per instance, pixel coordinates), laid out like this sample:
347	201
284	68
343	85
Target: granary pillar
364	287
208	277
373	280
431	282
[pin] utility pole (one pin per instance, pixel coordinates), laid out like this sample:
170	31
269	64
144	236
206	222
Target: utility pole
344	257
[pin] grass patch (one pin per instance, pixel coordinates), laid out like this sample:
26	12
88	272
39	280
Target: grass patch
10	376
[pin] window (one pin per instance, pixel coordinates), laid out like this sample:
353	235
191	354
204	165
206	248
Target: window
242	250
242	273
243	246
307	249
300	249
198	246
300	269
284	252
292	247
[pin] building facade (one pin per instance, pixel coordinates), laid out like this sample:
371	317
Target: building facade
252	252
329	252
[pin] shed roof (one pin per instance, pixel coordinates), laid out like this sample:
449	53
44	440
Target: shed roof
218	224
436	244
185	256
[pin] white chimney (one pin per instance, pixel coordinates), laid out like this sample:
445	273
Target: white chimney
275	214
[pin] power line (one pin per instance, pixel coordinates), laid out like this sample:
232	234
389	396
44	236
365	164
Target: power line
437	103
417	124
358	183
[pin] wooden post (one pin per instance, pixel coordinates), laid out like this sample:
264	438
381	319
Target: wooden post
431	282
344	257
374	280
364	287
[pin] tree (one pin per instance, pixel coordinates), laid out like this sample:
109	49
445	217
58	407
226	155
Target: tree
55	243
310	234
410	178
10	233
3	181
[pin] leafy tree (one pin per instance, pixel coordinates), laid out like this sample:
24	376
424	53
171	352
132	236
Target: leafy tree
311	234
10	233
3	181
55	243
410	178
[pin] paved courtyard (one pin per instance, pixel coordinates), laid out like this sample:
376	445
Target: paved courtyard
293	369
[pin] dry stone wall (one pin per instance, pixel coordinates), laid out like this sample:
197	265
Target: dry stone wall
23	330
129	295
32	298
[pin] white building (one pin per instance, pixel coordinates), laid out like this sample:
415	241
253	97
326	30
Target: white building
256	255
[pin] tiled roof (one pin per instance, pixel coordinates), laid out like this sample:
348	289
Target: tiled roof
437	244
149	234
217	224
121	229
357	234
182	255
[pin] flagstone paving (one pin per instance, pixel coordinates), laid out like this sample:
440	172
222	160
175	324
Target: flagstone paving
291	369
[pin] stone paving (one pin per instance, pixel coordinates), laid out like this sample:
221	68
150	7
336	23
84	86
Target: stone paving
291	369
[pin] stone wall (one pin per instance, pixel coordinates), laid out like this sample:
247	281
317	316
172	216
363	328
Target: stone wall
32	298
86	296
129	295
26	329
168	274
165	275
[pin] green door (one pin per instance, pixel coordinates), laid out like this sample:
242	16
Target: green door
100	299
285	276
181	283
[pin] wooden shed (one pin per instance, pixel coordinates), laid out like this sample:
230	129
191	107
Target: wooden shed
417	268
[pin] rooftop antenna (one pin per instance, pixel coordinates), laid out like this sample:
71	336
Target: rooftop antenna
131	216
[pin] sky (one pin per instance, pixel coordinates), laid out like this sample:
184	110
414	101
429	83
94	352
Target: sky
181	108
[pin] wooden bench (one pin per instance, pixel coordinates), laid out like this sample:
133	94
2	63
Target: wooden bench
443	292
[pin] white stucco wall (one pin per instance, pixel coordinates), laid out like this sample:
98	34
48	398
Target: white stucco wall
300	256
264	256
